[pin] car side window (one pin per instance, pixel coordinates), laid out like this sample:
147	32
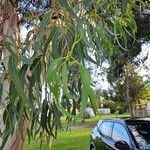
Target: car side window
106	128
119	133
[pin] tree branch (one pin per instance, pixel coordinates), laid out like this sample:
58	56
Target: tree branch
13	3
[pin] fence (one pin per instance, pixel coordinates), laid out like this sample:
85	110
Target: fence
142	113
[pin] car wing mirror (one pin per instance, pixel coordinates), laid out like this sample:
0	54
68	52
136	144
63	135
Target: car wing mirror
122	145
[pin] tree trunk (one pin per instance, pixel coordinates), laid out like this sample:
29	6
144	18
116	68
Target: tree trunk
9	28
128	97
16	142
132	109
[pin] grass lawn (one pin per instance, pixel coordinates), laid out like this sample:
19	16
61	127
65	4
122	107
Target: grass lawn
76	139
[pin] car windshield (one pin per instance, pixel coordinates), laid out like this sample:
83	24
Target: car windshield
141	132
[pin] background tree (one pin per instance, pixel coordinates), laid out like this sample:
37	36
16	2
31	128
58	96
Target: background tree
145	94
130	87
121	60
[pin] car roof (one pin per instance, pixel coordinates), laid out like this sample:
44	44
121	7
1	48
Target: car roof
127	120
115	120
137	120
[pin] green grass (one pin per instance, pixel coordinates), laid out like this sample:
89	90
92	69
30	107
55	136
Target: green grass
76	139
93	120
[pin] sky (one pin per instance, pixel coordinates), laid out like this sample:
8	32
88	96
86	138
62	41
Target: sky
23	32
145	51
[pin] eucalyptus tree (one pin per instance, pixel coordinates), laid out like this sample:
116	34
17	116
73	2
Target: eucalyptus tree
62	35
8	28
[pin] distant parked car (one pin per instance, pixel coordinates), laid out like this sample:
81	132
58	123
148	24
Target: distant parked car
119	134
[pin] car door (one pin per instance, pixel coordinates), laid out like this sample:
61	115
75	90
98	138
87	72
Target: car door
105	142
140	129
97	138
119	133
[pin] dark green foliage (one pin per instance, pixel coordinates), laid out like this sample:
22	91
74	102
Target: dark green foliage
116	106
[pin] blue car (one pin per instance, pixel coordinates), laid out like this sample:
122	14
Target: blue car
120	134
